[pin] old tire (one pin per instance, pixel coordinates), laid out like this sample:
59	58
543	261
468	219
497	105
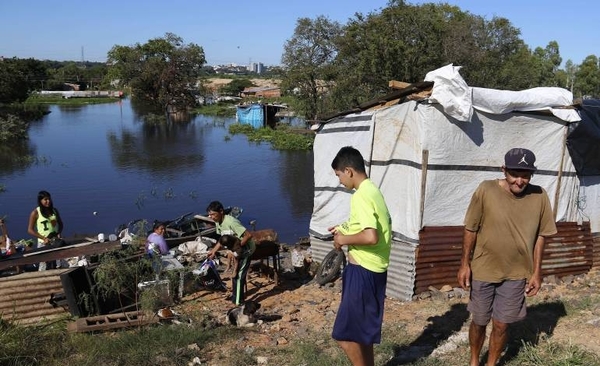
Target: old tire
331	267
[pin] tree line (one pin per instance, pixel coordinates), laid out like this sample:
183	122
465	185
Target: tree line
332	66
328	66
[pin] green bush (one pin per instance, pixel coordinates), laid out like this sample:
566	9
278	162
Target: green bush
280	138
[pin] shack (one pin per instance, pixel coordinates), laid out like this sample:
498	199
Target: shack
258	115
428	145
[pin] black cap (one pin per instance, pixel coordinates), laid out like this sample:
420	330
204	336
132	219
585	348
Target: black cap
519	159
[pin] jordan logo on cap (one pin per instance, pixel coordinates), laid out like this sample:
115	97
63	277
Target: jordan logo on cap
523	160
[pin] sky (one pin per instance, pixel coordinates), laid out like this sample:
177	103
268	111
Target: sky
241	32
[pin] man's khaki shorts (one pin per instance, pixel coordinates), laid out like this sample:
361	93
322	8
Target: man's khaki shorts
504	301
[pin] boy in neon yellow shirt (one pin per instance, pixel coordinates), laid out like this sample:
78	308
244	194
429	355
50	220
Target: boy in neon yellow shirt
367	233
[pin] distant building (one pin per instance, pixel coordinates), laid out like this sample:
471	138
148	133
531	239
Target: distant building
256	67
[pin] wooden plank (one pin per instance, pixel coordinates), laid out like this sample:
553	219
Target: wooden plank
19	259
394	84
59	248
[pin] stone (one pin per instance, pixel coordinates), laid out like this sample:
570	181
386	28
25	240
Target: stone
424	295
459	293
551	279
262	360
446	288
282	341
567	279
594	322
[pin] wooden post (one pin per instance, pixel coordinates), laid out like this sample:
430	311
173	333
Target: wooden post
424	164
560	173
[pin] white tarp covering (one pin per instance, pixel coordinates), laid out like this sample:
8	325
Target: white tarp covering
332	201
458	99
461	155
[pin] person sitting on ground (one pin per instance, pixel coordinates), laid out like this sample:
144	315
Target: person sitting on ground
156	243
4	238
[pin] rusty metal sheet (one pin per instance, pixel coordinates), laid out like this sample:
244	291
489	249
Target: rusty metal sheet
569	252
596	250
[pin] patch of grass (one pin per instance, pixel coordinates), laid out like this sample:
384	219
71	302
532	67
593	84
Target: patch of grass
582	303
281	138
217	110
317	349
154	345
59	100
554	354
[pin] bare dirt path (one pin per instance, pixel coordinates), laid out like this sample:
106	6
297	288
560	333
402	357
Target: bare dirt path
295	310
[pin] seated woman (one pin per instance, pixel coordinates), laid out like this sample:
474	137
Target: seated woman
156	243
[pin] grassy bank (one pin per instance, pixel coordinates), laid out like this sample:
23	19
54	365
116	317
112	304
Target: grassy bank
55	99
283	137
216	110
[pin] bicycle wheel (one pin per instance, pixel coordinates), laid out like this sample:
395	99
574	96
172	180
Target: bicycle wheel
331	267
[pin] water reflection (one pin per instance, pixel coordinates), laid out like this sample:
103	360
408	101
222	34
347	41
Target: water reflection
16	157
72	109
166	148
105	158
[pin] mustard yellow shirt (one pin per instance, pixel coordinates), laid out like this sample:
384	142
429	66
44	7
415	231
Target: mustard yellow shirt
507	228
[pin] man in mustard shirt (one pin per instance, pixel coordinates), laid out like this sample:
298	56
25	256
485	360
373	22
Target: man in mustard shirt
505	228
367	233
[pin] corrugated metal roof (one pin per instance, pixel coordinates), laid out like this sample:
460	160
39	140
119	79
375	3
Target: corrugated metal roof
26	297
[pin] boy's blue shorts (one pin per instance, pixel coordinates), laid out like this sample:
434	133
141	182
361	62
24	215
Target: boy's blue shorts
360	314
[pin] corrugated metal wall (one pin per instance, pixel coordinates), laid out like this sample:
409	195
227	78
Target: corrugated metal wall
569	252
596	241
438	257
435	261
25	297
401	272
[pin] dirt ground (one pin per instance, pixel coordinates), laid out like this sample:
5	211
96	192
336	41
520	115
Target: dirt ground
216	83
298	308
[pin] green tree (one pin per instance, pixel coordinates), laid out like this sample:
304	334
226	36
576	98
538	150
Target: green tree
17	81
547	60
308	58
587	78
236	86
164	71
404	42
13	84
569	75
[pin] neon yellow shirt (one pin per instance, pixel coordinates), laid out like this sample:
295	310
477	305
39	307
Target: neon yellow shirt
368	210
45	226
233	226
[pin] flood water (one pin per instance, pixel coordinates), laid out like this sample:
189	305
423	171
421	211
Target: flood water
105	159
